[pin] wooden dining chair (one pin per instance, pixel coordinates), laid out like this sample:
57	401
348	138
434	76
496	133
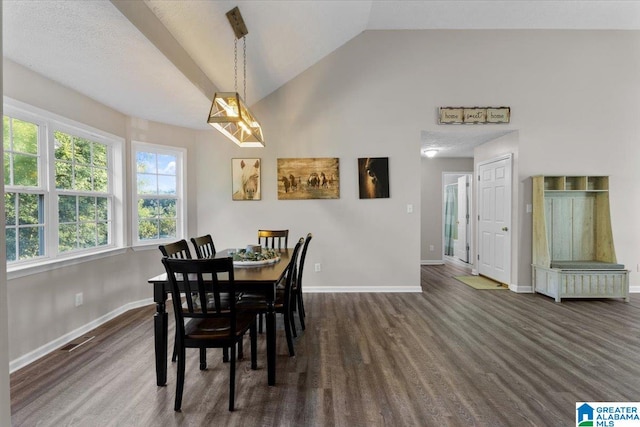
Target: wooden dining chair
269	238
204	246
284	302
215	327
297	287
179	250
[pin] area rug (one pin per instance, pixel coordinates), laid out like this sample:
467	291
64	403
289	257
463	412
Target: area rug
479	282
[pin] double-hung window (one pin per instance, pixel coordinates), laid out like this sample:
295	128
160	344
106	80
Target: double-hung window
159	193
83	195
63	187
24	197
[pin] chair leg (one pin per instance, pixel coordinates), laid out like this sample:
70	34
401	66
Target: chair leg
175	349
300	310
240	349
287	330
254	346
232	378
225	355
293	324
180	380
203	359
260	322
301	304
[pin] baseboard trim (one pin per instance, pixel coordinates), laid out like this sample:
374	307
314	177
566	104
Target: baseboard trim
521	289
39	352
634	289
360	289
432	262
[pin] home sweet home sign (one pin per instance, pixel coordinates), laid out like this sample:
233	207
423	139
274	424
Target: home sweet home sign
473	115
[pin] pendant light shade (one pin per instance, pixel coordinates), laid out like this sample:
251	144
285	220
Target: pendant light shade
229	114
232	117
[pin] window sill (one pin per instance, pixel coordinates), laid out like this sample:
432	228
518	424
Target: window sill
17	271
147	246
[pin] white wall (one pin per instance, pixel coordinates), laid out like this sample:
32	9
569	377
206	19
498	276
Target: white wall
432	202
346	106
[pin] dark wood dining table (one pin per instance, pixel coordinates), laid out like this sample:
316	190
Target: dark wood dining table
251	279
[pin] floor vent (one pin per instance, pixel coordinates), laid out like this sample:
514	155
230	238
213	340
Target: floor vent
76	343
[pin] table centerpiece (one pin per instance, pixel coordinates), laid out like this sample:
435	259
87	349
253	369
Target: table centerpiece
244	257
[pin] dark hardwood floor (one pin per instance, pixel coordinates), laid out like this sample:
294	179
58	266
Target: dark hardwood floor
450	356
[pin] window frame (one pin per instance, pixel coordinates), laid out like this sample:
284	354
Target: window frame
48	123
40	188
181	189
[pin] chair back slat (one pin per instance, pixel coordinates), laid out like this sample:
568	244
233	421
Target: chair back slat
179	249
269	238
204	246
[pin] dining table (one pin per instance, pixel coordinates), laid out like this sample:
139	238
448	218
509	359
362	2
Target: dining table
259	279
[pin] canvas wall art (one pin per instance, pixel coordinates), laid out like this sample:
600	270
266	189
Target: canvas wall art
373	177
245	179
309	178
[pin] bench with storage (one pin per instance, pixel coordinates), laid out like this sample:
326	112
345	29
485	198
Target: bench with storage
573	253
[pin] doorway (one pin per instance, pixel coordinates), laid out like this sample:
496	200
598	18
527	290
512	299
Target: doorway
456	215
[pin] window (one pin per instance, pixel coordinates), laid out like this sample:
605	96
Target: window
82	184
24	196
62	187
159	193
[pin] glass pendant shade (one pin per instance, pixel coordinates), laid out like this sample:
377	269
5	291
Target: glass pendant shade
230	115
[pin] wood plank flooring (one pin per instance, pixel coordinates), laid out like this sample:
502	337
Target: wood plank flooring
450	356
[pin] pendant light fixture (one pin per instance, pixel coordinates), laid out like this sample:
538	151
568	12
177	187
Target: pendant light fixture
229	114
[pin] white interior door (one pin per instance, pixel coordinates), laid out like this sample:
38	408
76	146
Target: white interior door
494	219
461	243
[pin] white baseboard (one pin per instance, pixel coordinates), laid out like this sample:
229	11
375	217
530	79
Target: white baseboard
370	289
432	262
521	289
39	352
634	289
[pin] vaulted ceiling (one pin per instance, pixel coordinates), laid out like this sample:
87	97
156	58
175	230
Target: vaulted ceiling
162	60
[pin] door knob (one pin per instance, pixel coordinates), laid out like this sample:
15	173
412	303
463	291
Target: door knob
505	229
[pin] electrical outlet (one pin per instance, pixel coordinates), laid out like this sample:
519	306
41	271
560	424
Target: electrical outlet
318	267
432	248
79	299
409	209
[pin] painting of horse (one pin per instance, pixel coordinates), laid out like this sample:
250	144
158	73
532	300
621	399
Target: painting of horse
309	178
373	177
245	179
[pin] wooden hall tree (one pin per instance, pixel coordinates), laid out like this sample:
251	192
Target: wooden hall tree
573	251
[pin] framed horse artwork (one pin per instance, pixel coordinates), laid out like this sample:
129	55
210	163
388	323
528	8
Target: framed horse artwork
309	178
373	177
245	179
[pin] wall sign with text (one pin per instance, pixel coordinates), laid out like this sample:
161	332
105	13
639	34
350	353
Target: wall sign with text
473	115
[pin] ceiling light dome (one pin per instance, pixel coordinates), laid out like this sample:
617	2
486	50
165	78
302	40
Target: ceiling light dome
430	152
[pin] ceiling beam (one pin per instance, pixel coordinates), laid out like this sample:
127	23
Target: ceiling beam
143	18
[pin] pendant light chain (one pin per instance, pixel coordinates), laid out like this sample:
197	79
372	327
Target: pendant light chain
235	64
244	43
